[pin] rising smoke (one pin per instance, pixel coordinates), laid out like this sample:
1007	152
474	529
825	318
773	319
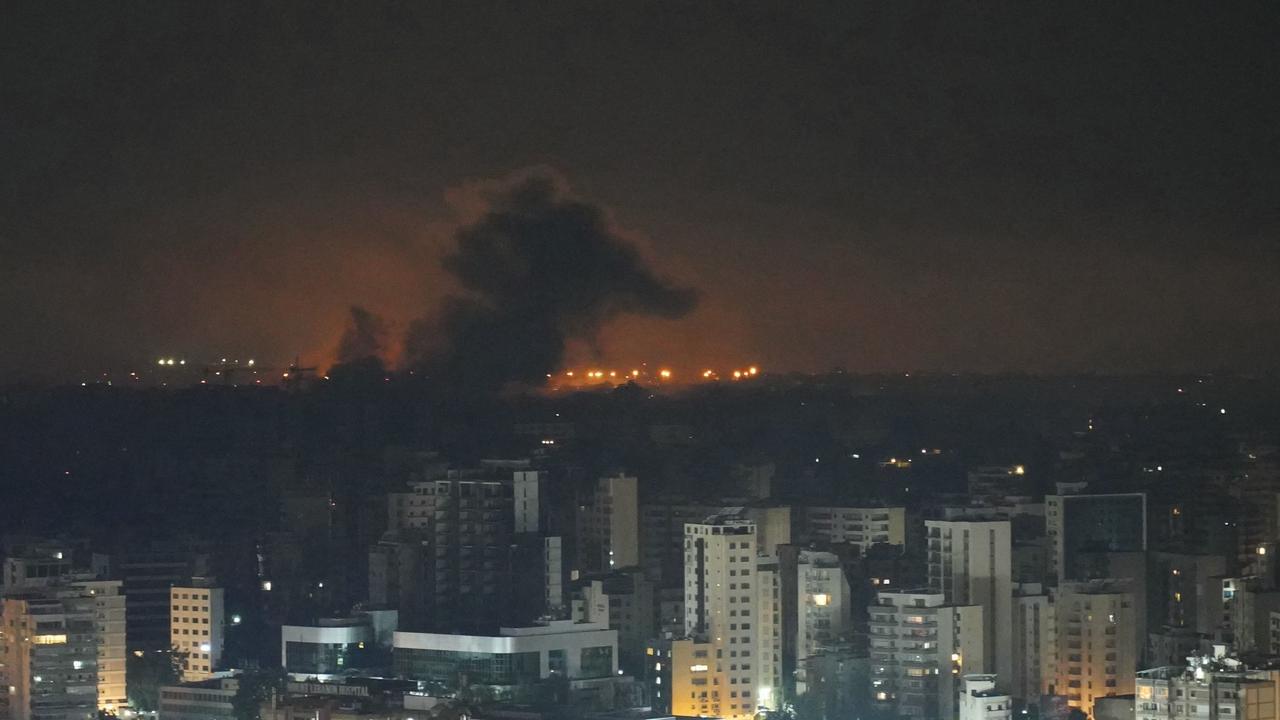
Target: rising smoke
365	337
538	269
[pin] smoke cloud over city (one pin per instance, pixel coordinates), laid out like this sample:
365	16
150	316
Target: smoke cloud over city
537	269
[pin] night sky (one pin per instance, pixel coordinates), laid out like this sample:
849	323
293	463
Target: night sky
874	185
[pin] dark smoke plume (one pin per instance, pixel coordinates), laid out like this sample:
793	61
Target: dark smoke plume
365	337
540	268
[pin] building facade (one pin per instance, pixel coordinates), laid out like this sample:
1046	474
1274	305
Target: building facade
609	526
1097	643
623	601
1079	523
514	658
196	627
1205	689
823	603
861	527
109	612
920	646
716	668
49	642
970	563
980	700
1034	643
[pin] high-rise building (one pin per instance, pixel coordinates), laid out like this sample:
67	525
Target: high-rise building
530	500
769	633
147	575
861	527
1247	604
662	524
980	700
1097	643
1186	590
716	668
823	603
51	568
1034	643
465	537
196	626
49	641
555	574
834	683
657	674
970	564
609	526
109	612
920	646
1078	523
463	527
1257	484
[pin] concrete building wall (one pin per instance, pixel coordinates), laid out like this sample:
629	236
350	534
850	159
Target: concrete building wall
1111	522
109	619
49	641
981	700
769	609
823	603
970	563
1097	648
721	618
919	647
196	625
861	527
1034	641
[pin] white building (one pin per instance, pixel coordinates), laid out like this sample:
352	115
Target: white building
768	633
717	668
517	656
1097	644
979	699
858	526
823	602
970	563
196	625
109	621
919	648
325	649
48	654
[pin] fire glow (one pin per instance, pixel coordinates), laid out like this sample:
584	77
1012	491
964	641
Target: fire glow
662	375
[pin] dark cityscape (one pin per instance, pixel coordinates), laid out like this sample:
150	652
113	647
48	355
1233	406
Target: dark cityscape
639	361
